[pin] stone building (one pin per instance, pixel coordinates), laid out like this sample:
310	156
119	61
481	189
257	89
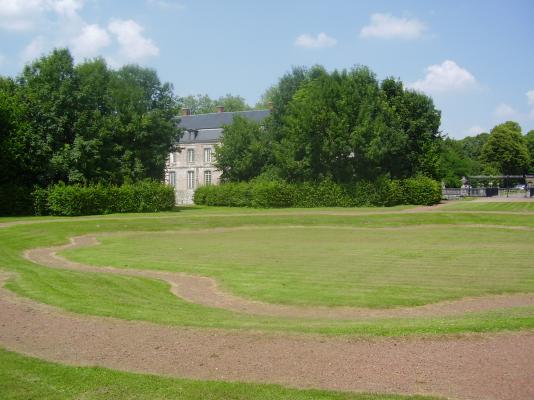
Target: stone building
193	165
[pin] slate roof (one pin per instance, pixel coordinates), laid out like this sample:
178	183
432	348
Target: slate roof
208	127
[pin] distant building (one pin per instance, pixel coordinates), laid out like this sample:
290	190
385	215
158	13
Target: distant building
193	165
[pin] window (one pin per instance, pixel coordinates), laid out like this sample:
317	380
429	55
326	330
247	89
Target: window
190	155
172	178
207	177
190	179
207	155
172	158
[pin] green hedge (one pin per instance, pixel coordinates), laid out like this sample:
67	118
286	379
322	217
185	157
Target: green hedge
70	200
273	194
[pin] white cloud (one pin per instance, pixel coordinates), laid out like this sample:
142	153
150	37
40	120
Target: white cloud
91	40
475	130
387	26
320	41
34	49
27	15
133	46
505	111
444	77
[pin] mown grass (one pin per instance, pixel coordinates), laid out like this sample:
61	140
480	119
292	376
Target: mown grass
332	266
510	206
25	378
149	300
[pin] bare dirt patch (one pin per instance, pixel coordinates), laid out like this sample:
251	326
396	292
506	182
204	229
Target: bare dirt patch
497	366
205	291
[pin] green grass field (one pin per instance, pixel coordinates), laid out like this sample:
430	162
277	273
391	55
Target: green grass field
24	378
331	261
511	206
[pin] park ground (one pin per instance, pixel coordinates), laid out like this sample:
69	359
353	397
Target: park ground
398	303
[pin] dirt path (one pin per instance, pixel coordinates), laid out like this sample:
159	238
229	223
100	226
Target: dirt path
205	291
476	367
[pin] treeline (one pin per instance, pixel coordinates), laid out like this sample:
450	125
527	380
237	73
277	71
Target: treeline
82	124
503	151
345	126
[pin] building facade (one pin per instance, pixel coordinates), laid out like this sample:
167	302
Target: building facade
193	165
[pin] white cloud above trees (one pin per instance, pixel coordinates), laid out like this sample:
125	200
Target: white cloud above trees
315	42
91	40
387	26
133	46
445	77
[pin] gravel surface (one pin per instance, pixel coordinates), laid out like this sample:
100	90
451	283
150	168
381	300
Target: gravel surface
485	367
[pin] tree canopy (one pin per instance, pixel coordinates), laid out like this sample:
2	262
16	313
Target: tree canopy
344	126
202	103
86	123
506	150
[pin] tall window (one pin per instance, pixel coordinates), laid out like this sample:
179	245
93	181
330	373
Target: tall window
190	179
207	155
207	177
172	158
190	155
172	178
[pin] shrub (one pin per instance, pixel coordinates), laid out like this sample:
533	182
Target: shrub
274	194
70	200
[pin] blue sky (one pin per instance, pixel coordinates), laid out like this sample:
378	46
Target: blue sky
476	59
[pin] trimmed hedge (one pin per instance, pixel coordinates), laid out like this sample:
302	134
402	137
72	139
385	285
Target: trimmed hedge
71	200
275	194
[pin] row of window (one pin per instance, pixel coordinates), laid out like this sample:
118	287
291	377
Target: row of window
190	178
191	156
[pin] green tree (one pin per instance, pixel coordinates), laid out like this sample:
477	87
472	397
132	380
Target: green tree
232	103
346	126
242	154
87	123
529	140
203	104
506	150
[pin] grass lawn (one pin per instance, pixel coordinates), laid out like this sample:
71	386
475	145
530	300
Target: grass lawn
325	265
24	378
515	206
430	257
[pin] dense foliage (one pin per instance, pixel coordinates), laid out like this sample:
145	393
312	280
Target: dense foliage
70	200
277	193
202	103
345	126
83	124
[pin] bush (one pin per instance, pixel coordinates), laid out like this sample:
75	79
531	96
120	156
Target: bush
15	200
70	200
275	194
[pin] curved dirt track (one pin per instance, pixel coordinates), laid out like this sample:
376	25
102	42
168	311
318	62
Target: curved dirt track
204	291
474	367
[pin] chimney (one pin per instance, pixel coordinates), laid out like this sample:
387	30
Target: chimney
220	109
186	111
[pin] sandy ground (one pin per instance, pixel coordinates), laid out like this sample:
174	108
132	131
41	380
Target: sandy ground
485	367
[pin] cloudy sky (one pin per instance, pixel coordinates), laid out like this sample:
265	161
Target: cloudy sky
476	59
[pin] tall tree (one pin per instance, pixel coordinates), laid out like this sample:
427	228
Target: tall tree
87	123
242	154
506	150
529	140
